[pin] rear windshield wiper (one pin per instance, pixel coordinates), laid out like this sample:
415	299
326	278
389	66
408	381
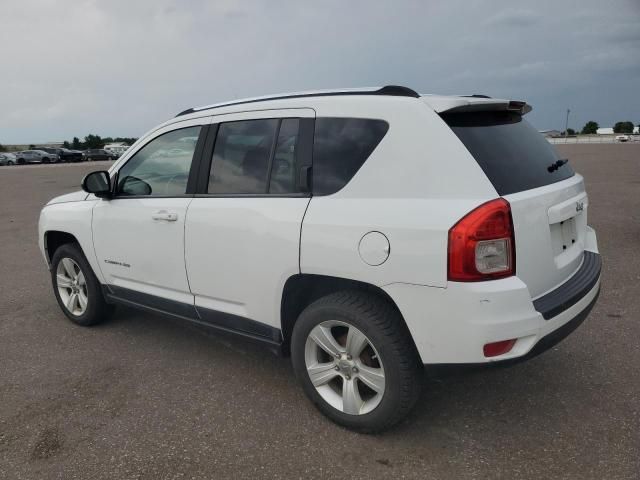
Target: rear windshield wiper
557	164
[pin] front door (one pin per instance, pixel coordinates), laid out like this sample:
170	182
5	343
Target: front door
139	234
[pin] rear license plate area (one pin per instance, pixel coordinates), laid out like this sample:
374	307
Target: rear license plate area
564	236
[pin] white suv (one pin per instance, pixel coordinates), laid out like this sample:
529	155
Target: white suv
366	233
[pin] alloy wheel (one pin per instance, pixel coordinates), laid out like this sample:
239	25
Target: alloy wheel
344	367
72	286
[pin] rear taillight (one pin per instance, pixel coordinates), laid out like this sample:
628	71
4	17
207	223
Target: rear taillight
482	245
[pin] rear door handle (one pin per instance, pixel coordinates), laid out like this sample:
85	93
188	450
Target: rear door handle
165	216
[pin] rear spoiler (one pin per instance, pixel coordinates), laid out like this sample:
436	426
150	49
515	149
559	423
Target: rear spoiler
475	103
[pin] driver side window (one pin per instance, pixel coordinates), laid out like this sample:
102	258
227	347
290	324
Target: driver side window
161	167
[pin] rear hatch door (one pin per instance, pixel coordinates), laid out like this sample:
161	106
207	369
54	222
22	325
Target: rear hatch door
548	201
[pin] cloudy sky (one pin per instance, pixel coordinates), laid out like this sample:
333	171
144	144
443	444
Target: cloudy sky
118	67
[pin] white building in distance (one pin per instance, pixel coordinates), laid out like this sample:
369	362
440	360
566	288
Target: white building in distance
609	130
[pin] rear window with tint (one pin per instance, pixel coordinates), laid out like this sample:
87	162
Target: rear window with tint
340	148
514	155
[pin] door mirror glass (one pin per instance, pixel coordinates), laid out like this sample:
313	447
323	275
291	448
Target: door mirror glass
98	183
134	186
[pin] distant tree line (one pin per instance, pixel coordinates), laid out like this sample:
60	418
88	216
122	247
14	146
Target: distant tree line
95	141
90	141
591	128
623	127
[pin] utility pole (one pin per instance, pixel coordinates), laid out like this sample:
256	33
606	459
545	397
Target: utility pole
566	126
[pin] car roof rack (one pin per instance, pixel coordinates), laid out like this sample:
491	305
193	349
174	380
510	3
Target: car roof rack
388	90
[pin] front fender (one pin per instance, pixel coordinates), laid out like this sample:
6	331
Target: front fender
75	219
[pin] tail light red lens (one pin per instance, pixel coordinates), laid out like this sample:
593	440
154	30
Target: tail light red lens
482	244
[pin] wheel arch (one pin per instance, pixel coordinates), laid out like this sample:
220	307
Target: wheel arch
301	290
54	239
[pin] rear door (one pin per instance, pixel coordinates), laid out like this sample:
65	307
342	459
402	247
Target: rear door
548	200
243	228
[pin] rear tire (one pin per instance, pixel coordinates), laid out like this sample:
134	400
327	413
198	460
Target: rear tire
76	288
10	163
386	376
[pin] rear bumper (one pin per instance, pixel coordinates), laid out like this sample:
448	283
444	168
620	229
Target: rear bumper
451	325
556	336
558	300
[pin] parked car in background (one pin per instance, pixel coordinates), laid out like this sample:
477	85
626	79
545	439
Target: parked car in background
52	151
35	156
67	155
64	154
99	154
7	159
116	148
622	138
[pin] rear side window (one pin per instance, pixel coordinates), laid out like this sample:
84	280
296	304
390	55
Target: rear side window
241	156
255	157
283	170
340	148
512	154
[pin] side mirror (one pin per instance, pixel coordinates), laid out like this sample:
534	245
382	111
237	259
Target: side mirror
98	183
134	186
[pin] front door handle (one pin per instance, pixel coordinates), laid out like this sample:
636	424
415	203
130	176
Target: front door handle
165	216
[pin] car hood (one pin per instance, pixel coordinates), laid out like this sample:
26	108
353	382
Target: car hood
78	196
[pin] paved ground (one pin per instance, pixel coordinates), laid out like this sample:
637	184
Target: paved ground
146	397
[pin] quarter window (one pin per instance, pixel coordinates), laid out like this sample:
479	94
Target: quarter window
162	166
340	148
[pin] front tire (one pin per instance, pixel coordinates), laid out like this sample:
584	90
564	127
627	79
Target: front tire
76	288
356	361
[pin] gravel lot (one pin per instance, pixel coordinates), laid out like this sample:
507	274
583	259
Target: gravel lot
147	397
